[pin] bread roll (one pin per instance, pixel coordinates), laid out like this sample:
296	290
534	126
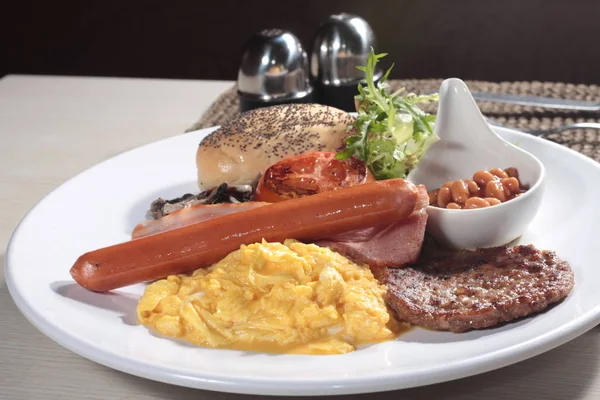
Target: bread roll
249	144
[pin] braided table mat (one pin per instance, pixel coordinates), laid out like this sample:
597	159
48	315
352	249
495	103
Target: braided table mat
585	141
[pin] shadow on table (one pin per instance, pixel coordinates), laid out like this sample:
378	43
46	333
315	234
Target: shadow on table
121	303
563	373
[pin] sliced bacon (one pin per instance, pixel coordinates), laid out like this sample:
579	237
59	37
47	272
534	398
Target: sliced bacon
190	215
395	245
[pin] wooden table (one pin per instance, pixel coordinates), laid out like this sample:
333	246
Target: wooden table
52	128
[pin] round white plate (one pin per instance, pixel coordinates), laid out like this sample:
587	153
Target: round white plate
100	207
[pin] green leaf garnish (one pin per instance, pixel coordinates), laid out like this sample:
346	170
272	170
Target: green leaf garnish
391	133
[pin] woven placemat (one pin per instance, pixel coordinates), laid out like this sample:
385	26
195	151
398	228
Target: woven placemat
586	141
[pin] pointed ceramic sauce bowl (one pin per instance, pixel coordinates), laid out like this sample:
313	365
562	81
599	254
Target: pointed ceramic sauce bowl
467	144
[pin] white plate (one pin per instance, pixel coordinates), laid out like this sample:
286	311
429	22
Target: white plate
100	207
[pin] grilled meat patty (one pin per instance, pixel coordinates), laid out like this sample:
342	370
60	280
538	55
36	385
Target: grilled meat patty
463	290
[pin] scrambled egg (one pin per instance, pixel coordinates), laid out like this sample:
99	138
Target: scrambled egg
290	297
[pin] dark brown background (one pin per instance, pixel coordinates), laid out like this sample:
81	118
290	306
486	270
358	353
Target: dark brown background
552	40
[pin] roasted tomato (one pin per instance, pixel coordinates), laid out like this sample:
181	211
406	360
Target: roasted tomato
308	174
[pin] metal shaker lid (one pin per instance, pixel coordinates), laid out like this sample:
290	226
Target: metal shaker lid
274	66
341	43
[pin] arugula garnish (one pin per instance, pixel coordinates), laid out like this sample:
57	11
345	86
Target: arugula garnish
391	133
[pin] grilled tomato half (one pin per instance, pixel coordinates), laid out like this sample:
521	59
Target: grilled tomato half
308	174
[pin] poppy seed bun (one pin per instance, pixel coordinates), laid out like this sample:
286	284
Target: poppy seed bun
250	143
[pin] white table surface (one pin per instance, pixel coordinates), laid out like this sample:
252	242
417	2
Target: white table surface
52	128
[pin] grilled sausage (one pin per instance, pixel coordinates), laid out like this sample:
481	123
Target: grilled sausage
201	245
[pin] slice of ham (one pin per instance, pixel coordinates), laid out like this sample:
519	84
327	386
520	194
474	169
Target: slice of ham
386	245
392	245
190	215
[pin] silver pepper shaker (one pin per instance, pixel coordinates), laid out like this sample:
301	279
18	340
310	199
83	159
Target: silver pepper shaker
273	70
341	43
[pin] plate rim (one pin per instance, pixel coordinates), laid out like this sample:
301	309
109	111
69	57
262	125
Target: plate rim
265	386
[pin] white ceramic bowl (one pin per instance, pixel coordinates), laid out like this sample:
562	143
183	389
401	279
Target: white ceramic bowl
468	144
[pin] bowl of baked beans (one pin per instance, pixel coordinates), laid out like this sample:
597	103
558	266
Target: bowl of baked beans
484	191
490	208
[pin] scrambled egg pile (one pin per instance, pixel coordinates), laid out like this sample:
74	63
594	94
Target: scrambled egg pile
291	297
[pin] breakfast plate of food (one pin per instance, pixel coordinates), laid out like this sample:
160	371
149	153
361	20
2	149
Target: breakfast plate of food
302	250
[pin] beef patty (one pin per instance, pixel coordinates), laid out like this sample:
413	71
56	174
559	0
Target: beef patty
466	290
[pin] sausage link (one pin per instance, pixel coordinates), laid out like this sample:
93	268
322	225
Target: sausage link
200	245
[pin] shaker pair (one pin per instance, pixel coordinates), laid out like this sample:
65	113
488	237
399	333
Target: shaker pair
275	68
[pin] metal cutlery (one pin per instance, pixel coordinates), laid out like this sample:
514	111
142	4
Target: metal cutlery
539	132
578	125
534	101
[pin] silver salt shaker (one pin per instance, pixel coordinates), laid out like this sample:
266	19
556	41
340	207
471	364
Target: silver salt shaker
341	43
273	70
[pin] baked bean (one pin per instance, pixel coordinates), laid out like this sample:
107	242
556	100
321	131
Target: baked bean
486	189
473	188
493	201
495	189
512	172
448	184
482	178
460	191
512	184
444	197
499	173
476	202
433	197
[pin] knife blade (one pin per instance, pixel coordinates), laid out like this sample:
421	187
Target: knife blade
534	101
